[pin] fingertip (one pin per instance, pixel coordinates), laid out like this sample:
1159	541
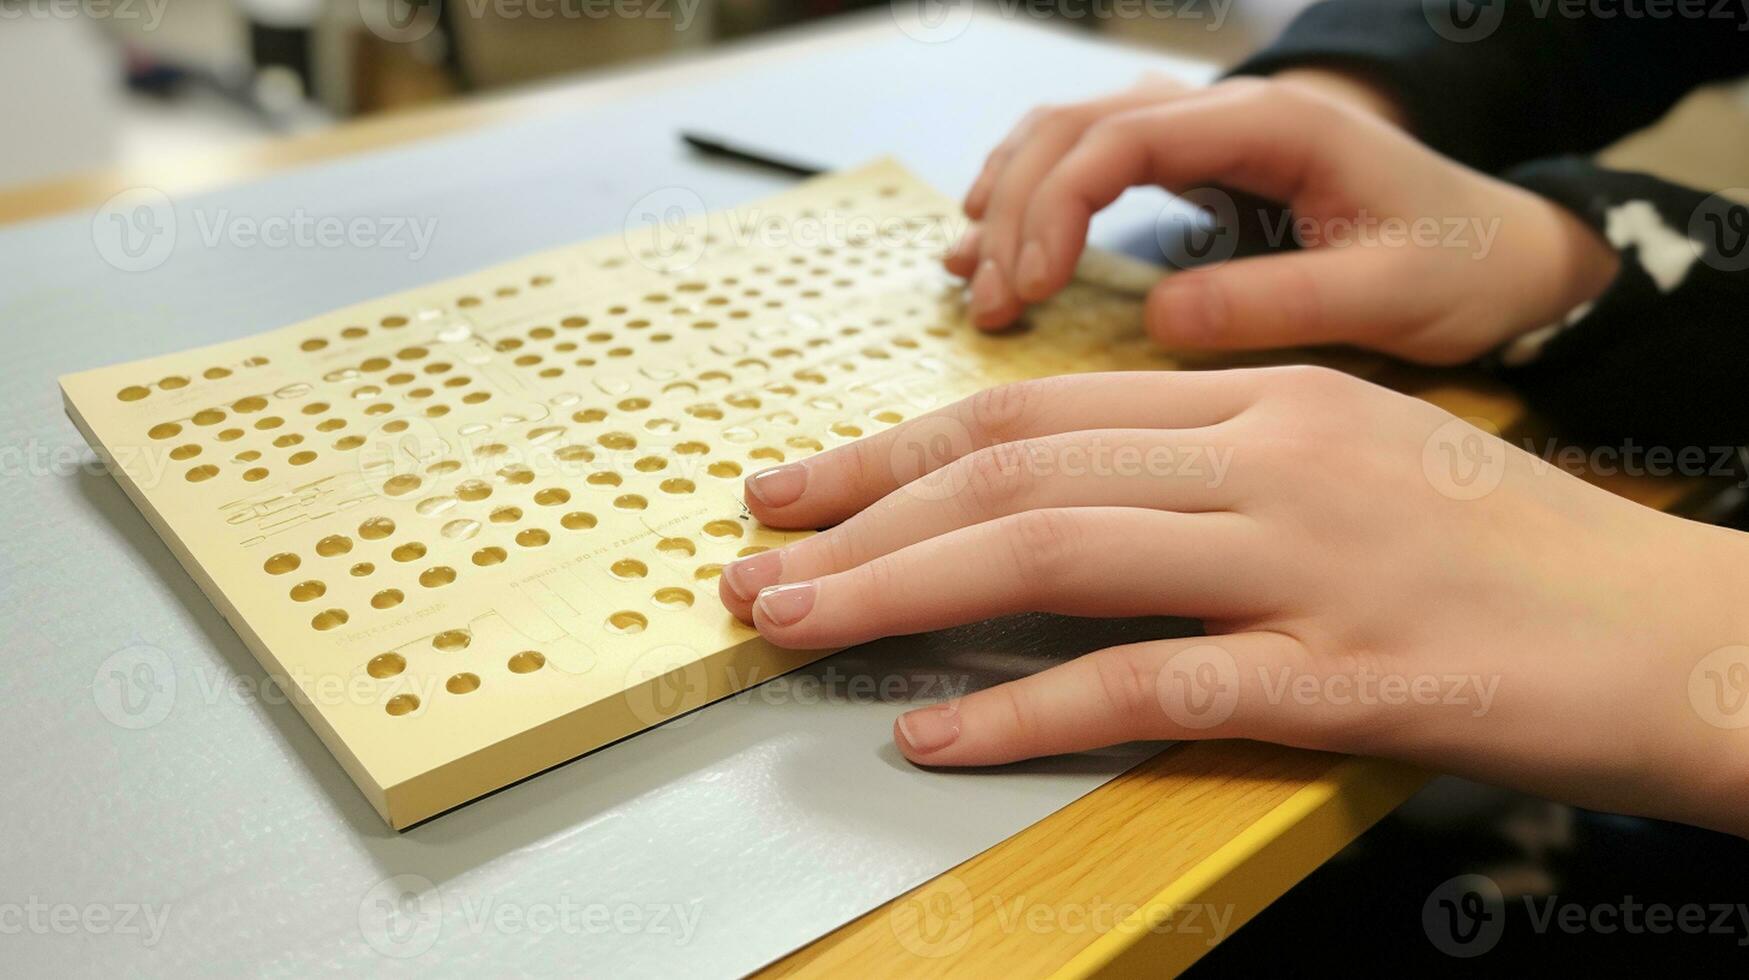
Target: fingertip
1032	274
992	306
923	735
962	259
978	198
738	607
776	488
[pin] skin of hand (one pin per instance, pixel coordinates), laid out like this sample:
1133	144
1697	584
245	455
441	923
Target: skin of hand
1332	150
1512	623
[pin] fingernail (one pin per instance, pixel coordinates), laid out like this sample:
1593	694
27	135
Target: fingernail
785	605
779	486
1030	274
930	729
748	575
987	290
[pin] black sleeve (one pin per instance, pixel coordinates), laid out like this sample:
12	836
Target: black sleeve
1662	357
1493	83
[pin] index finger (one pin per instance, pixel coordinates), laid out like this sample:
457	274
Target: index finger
827	488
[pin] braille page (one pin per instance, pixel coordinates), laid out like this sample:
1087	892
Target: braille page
476	527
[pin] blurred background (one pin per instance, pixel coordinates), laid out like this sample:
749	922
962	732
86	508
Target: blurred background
96	84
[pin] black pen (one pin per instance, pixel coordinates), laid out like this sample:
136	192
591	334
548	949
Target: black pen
712	146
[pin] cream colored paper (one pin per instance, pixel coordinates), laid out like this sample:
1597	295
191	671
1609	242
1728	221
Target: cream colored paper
475	528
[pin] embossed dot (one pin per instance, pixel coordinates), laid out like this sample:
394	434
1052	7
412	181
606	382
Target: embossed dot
527	662
386	665
437	576
534	537
411	551
489	556
723	529
376	528
462	684
677	546
402	704
449	641
387	599
306	591
627	621
578	520
333	544
281	563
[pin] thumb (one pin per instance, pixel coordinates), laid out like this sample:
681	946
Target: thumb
1316	296
1196	687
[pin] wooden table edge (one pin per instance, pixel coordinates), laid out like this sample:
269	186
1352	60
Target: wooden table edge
1252	869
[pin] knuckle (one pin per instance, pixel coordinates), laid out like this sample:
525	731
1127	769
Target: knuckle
1193	311
1013	712
1130	689
836	548
1311	381
1044	545
1117	127
864	462
877	583
1000	414
995	478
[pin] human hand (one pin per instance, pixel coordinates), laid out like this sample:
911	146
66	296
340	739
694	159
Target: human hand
1406	251
1512	623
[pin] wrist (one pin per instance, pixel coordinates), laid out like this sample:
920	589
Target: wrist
1559	264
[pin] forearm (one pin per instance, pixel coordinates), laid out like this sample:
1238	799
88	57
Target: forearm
1518	83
